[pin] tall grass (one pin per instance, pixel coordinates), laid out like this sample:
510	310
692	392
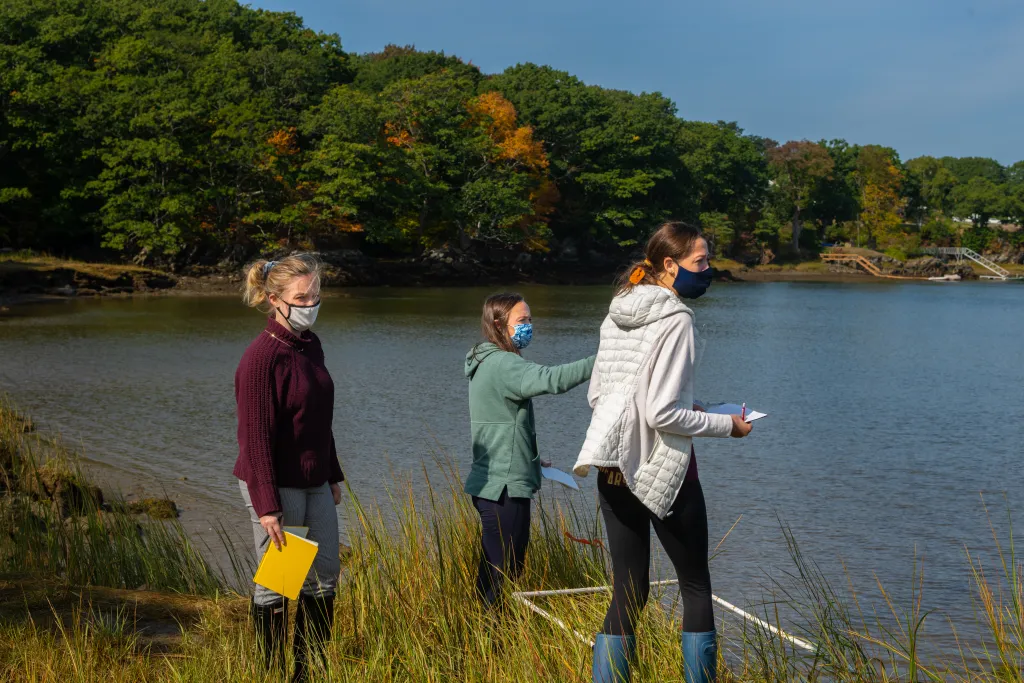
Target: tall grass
406	609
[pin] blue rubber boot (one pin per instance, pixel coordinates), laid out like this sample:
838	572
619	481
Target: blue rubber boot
700	657
611	658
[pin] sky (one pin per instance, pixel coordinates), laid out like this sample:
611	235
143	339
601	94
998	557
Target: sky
936	77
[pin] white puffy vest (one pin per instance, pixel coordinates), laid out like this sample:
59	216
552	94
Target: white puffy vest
634	328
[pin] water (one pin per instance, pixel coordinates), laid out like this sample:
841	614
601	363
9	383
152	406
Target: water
892	407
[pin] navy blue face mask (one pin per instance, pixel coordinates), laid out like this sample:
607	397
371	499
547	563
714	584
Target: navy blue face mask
690	285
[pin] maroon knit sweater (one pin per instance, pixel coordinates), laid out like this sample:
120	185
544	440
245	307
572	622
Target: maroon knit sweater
285	400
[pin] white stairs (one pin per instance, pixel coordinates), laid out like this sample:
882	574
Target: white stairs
961	252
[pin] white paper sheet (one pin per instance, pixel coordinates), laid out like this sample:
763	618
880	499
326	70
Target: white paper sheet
734	409
563	478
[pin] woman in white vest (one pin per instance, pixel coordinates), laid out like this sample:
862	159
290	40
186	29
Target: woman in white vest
640	439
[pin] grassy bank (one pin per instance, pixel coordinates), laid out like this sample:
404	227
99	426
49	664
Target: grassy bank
94	594
29	273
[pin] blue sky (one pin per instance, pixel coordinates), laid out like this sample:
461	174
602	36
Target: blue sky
939	77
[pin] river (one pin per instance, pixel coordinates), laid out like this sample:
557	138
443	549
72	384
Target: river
892	408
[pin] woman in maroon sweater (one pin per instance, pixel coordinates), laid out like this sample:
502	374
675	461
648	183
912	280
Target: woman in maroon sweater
287	464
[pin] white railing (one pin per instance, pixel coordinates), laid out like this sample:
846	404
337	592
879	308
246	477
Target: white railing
961	252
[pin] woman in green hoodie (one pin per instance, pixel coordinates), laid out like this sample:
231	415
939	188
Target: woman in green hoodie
506	466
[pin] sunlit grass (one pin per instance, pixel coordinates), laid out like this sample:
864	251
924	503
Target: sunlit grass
406	608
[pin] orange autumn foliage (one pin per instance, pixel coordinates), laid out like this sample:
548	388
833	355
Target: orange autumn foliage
513	143
284	142
399	137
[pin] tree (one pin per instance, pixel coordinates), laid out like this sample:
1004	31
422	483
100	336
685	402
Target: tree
510	198
979	200
798	168
612	154
360	181
726	168
879	178
377	70
144	124
836	198
935	182
967	168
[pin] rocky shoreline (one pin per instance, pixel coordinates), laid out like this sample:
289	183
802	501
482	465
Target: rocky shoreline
32	282
923	267
54	481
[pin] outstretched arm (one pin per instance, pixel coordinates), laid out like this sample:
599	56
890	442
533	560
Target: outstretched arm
527	379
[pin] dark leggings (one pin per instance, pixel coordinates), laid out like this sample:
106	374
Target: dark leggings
506	533
684	535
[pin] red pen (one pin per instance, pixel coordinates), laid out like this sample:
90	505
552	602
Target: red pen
743	412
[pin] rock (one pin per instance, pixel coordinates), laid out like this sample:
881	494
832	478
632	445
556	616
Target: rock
348	267
157	508
929	266
64	489
569	251
926	266
1008	255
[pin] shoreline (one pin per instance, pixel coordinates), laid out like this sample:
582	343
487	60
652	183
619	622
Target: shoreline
222	285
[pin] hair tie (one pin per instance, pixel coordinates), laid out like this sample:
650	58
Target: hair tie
266	268
637	275
647	262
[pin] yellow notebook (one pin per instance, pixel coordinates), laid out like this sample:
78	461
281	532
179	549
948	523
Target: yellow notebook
284	571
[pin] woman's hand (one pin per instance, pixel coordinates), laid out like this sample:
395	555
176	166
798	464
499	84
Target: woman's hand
336	492
545	463
272	525
740	427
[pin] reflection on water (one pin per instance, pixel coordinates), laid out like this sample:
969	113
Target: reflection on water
891	408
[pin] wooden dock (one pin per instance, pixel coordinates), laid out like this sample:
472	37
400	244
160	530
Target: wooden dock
865	263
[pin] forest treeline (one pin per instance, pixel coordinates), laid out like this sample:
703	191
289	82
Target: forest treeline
182	131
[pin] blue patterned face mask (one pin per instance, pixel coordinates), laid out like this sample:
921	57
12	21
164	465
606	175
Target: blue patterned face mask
522	335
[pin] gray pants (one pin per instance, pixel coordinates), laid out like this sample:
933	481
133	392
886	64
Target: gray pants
315	509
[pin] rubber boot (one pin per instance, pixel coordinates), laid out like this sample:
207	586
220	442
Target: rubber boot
313	622
700	657
611	658
270	622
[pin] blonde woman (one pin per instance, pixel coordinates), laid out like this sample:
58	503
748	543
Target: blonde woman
287	465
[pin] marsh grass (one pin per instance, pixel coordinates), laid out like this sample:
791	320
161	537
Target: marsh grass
406	608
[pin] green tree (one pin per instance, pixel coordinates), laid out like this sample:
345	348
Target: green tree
967	168
727	169
360	182
979	199
836	198
612	154
145	123
719	230
798	168
935	182
377	70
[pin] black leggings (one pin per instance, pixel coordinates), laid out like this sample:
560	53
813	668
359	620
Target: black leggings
683	534
506	534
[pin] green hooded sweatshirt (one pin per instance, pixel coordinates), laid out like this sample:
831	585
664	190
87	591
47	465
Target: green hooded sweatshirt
501	385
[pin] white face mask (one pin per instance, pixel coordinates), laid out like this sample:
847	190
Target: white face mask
301	318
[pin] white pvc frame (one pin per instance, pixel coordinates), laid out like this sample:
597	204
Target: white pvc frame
524	597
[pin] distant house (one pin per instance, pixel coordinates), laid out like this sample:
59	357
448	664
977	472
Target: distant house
992	223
